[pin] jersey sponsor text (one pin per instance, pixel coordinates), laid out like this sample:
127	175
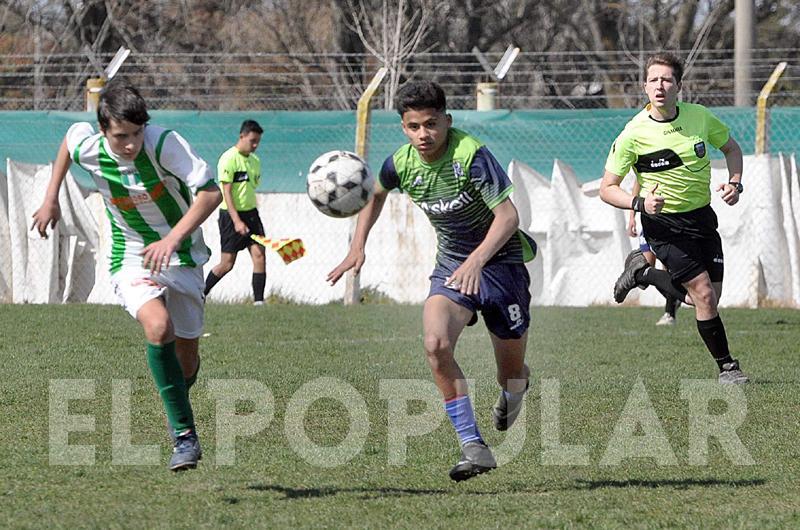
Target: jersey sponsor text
443	206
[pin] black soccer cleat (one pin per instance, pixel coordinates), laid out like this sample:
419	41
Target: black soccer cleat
731	374
476	458
627	280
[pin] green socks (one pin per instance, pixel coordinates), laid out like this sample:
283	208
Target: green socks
171	386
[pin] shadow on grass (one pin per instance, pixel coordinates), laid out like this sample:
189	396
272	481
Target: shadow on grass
366	492
328	491
681	484
755	382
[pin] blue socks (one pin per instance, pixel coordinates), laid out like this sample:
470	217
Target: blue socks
463	418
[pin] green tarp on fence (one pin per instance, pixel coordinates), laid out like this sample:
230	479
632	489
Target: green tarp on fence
292	140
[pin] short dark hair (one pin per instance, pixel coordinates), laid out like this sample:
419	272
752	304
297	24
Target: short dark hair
666	59
122	102
420	95
249	126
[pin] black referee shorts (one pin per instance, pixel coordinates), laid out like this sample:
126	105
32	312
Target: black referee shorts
687	243
231	241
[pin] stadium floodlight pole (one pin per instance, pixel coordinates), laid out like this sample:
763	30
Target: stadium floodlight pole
761	108
95	84
743	36
352	289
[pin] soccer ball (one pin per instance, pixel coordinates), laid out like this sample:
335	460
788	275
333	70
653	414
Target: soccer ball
339	183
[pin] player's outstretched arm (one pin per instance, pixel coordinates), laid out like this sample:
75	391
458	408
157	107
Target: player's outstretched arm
735	163
49	213
157	254
366	220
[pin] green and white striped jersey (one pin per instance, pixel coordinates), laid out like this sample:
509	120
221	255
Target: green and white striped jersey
145	197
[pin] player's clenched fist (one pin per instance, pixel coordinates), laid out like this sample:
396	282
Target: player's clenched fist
653	203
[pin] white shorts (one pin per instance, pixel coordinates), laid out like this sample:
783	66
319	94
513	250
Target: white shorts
180	287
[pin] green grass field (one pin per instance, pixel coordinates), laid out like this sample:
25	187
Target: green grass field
597	355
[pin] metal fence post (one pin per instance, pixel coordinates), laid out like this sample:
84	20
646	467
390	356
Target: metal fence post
761	108
352	289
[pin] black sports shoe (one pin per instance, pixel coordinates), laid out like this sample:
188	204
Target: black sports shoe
503	415
731	374
627	280
476	458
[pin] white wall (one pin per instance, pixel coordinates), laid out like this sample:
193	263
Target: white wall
582	243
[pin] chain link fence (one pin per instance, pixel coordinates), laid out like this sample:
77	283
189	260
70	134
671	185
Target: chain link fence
557	123
557	154
271	81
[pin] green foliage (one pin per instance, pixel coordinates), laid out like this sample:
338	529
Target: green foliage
373	295
596	354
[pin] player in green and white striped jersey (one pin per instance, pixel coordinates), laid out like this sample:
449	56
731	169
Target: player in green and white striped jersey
147	176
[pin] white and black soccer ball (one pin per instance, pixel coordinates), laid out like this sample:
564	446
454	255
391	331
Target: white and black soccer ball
339	183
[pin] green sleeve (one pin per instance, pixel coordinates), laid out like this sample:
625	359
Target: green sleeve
225	169
622	156
718	132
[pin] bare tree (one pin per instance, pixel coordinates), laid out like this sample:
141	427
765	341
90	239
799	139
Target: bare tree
320	54
317	44
393	34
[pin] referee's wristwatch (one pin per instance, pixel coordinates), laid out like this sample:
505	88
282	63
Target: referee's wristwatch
737	185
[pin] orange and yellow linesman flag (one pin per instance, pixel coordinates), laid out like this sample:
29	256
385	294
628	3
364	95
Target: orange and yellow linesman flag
288	249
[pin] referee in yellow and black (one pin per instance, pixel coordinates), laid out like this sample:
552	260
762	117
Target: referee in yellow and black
239	174
667	145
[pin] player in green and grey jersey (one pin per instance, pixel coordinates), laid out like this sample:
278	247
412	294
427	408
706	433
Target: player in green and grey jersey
458	193
480	266
146	176
667	147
